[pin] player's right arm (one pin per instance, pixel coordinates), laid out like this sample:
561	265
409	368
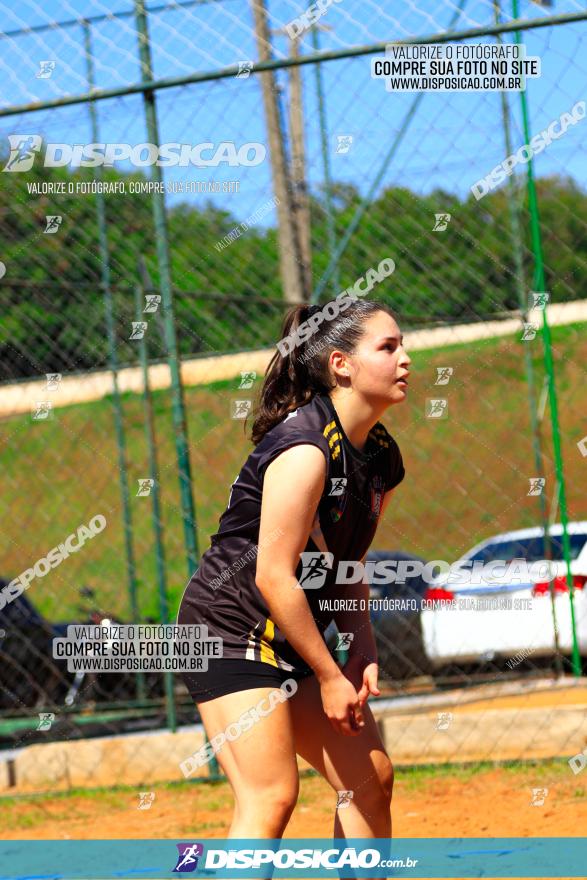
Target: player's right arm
292	488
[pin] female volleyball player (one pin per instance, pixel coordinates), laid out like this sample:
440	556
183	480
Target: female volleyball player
309	495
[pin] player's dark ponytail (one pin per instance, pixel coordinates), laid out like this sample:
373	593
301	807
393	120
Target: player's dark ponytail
293	378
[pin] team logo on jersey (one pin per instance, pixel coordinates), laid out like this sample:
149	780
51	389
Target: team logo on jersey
377	487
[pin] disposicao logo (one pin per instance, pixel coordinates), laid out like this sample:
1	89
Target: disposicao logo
24	147
187	860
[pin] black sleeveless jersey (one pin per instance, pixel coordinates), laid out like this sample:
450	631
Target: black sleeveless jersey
223	594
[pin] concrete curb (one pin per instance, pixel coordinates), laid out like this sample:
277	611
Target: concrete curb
139	759
23	396
496	734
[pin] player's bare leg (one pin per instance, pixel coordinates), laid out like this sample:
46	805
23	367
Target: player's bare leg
358	764
260	764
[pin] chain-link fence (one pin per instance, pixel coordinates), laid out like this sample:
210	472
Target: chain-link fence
290	170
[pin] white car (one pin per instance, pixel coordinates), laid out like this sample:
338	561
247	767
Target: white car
496	617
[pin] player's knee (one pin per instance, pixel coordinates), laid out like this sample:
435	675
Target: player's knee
277	800
385	777
281	803
376	793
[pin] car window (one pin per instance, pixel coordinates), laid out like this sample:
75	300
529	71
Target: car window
531	549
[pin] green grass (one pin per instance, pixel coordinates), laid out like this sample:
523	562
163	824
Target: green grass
216	796
466	476
30	811
418	777
210	792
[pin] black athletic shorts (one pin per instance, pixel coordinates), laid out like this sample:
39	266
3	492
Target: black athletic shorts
226	675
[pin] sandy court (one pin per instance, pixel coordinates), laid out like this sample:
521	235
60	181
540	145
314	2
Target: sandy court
435	801
466	802
548	699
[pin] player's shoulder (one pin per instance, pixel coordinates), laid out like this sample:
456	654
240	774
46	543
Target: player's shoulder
313	420
311	416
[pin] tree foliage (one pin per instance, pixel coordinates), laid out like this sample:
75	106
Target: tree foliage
52	294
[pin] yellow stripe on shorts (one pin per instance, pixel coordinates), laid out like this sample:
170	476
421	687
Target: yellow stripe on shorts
267	652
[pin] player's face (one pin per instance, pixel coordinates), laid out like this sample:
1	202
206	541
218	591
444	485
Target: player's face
380	365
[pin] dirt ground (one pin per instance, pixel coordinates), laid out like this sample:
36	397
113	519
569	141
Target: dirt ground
439	802
442	801
550	697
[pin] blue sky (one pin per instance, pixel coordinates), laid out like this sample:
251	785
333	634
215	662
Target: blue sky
453	139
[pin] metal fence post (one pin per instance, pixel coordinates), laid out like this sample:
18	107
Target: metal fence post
116	401
161	236
517	248
157	521
540	287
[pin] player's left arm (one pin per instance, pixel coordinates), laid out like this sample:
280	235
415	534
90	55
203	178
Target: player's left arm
361	668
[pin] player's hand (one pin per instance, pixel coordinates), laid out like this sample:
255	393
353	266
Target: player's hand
363	674
341	705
